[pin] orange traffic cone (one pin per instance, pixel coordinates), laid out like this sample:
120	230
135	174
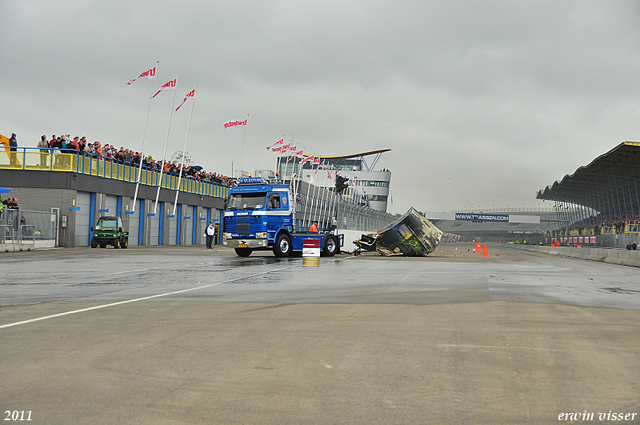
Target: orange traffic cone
484	253
478	247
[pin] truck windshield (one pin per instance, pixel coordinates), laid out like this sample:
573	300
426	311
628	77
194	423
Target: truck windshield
246	201
107	224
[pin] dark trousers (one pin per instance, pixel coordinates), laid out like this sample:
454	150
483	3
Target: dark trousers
209	241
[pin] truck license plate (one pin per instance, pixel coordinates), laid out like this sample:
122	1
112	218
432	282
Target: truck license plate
242	245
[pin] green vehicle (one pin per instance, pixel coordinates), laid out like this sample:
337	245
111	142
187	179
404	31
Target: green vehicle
108	231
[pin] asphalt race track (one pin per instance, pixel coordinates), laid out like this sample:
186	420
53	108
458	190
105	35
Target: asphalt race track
185	335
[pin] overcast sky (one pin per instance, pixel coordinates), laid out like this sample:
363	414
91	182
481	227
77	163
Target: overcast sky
482	103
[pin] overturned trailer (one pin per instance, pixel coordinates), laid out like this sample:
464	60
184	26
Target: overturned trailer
410	235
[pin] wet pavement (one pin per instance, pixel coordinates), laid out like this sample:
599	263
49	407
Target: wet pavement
188	335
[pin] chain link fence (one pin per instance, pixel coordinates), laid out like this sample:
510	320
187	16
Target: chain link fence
18	226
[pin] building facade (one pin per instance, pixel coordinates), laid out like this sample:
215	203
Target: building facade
365	182
80	191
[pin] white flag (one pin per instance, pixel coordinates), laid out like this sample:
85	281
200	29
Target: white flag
191	94
150	74
171	85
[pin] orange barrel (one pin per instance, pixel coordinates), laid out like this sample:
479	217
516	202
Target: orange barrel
311	252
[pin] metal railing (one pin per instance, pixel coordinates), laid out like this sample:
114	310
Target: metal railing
35	159
505	210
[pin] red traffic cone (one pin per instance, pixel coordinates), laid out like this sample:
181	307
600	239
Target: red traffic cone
484	253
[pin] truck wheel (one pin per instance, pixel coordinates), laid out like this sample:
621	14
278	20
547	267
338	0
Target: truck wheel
116	244
330	246
243	252
125	243
282	248
94	243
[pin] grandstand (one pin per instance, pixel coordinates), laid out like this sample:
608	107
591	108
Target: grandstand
597	205
600	199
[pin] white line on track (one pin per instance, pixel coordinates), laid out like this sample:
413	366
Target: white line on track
97	307
130	271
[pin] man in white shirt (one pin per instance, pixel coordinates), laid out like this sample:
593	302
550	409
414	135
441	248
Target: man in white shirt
210	233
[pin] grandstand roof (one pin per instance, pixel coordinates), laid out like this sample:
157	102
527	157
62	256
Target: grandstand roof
353	155
610	181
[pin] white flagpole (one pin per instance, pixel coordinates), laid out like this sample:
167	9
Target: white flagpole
243	138
166	142
286	165
306	203
314	204
175	203
325	200
146	126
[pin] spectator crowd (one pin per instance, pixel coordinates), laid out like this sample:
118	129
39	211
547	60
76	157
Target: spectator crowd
618	225
79	145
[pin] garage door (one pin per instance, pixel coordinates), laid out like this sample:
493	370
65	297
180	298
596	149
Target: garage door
171	222
187	225
109	207
134	225
154	227
83	217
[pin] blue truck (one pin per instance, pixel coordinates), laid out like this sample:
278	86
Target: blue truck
262	216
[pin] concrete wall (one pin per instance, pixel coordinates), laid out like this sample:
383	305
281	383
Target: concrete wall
605	255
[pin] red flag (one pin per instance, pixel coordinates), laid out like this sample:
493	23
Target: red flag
150	74
191	94
279	142
300	153
171	85
234	123
307	159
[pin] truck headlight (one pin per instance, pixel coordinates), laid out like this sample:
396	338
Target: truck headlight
227	235
261	235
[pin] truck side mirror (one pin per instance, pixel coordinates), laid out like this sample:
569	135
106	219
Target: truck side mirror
120	229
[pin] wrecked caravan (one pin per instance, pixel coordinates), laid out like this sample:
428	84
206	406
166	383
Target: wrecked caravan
410	235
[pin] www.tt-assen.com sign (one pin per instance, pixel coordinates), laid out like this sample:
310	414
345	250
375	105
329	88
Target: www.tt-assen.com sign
482	217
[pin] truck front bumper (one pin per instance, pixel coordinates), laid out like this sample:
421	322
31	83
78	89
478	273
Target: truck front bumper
247	243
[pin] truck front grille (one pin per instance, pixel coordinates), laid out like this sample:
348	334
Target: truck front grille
243	226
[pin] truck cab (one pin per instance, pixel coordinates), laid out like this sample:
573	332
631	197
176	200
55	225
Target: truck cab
260	216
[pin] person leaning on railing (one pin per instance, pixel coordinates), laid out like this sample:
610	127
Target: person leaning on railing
13	144
43	145
10	203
